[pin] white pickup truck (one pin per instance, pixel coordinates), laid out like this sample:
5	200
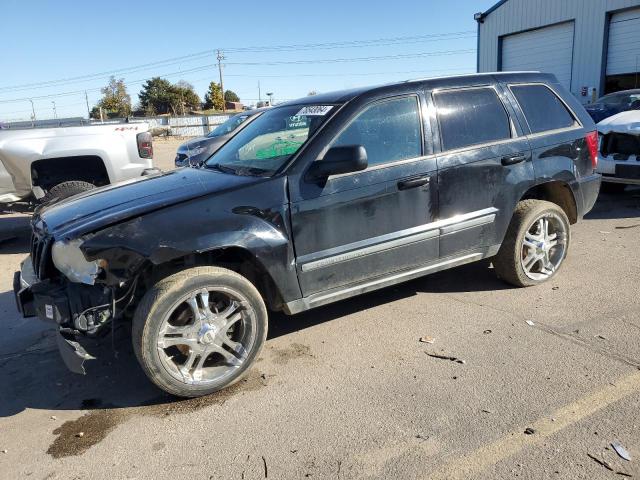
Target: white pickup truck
46	163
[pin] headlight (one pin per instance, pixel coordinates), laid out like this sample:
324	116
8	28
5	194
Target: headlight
68	258
192	152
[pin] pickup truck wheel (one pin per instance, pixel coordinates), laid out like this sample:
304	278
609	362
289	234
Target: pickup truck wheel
535	245
198	331
66	189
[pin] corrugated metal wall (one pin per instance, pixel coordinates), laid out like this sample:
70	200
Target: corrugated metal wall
590	18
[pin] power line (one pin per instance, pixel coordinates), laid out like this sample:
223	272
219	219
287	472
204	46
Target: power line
293	62
357	43
360	59
254	49
106	74
345	74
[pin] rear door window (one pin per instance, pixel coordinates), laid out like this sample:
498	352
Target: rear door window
542	108
471	116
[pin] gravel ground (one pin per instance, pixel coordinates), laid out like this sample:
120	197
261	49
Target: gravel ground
347	391
164	151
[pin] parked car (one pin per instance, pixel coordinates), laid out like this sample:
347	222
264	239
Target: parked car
315	201
197	150
614	103
53	163
619	147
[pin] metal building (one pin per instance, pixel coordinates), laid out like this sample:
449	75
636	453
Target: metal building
587	44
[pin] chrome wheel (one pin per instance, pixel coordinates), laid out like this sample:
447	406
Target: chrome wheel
207	335
544	247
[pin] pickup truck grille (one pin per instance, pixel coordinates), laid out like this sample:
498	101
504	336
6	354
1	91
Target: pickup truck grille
41	255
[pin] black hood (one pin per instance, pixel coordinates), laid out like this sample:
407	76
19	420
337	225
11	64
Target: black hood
105	206
207	142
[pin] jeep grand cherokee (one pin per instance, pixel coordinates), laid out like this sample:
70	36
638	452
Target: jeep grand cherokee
316	200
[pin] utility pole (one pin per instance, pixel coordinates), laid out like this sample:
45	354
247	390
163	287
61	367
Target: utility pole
86	98
259	96
33	114
55	115
220	57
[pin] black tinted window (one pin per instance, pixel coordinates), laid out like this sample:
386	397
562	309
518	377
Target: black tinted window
542	108
389	131
470	117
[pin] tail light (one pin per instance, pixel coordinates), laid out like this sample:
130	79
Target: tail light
145	145
592	144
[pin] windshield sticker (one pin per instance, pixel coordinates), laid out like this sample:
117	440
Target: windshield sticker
279	148
315	110
297	121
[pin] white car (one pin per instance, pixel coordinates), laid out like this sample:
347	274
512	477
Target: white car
54	163
619	148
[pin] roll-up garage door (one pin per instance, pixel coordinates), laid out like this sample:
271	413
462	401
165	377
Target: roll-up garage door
623	51
547	49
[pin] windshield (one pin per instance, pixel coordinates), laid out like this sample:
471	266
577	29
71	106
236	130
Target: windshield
619	99
228	126
268	142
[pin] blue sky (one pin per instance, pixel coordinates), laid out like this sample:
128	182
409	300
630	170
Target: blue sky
53	40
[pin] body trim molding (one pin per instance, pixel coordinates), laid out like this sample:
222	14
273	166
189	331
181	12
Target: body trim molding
350	251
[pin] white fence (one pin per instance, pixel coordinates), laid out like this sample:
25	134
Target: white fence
187	126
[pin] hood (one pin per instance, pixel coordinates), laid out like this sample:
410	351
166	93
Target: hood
105	206
206	142
624	122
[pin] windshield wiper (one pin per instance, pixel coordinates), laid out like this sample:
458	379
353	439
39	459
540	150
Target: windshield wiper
221	168
253	171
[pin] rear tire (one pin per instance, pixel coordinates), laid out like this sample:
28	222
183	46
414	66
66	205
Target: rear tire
66	189
612	188
535	245
199	330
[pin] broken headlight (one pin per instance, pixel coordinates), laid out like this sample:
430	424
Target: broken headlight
69	259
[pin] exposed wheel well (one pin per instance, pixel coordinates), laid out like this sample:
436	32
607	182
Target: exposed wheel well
49	172
556	192
236	259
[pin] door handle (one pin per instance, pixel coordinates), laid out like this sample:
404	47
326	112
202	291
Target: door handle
413	182
512	160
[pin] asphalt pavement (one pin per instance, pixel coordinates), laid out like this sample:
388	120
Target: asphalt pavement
549	377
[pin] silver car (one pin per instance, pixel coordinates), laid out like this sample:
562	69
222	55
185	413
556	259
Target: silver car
196	151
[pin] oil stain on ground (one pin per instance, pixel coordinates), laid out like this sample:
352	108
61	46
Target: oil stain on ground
77	436
282	356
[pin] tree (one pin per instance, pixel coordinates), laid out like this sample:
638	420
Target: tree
184	94
231	96
213	97
155	96
159	96
115	101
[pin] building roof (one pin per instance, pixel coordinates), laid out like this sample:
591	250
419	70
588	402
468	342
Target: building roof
494	7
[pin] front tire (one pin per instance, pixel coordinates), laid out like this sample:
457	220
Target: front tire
535	245
66	189
199	330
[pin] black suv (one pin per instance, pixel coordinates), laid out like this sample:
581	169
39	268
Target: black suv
315	201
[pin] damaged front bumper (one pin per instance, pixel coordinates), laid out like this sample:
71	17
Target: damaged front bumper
62	305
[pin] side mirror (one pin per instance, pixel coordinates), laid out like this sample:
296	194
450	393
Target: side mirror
344	159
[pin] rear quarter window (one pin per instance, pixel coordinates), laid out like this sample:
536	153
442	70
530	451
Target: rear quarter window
542	108
471	117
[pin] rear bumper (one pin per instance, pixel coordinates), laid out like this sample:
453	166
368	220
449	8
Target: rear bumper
589	188
613	170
